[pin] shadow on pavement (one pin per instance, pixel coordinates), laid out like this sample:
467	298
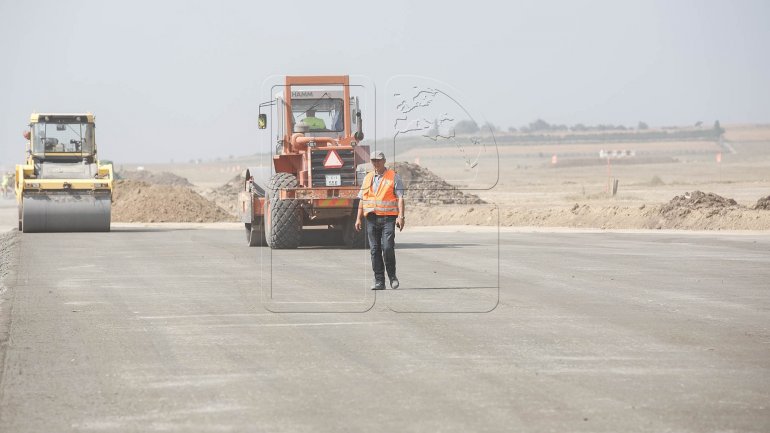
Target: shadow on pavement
406	289
149	229
421	245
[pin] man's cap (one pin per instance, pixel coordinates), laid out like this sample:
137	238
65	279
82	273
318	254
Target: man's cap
377	155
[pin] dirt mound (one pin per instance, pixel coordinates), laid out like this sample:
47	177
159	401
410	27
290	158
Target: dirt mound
162	178
682	205
424	188
137	201
226	196
763	203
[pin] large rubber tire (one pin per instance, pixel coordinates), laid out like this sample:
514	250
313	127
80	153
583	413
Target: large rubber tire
255	234
280	181
353	239
285	224
283	230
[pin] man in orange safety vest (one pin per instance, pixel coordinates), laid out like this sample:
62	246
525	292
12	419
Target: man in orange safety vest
382	203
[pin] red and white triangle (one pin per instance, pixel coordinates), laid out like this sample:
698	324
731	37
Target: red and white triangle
333	160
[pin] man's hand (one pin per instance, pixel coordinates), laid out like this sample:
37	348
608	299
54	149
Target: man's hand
400	223
358	224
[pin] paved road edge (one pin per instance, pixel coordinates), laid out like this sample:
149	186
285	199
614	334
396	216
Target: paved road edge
9	258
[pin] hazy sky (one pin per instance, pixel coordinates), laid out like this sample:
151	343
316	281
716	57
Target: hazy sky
181	79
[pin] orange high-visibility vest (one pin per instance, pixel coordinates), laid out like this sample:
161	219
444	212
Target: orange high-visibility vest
383	201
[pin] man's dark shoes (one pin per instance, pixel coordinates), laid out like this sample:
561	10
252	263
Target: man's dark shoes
394	283
378	285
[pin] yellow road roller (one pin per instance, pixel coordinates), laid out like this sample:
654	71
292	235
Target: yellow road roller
62	187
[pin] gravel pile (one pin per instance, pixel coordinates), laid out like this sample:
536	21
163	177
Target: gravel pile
424	188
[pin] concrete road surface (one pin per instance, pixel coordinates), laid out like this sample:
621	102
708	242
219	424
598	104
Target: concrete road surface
164	329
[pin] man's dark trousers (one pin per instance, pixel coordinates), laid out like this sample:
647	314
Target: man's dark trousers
381	230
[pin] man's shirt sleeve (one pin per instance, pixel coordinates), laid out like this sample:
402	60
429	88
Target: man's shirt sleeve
398	187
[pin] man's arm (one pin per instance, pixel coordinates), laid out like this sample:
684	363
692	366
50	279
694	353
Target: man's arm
398	189
360	211
400	220
360	215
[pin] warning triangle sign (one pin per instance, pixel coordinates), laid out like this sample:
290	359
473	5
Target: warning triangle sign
333	160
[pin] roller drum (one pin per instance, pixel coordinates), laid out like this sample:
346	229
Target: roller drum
66	212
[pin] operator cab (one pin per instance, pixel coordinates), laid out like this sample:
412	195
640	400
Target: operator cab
322	112
62	138
316	112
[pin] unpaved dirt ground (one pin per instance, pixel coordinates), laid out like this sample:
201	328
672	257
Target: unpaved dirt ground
672	215
532	190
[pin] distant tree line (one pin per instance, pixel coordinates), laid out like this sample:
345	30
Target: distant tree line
541	125
700	134
468	127
535	132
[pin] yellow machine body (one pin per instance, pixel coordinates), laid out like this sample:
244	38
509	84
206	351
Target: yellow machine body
62	187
